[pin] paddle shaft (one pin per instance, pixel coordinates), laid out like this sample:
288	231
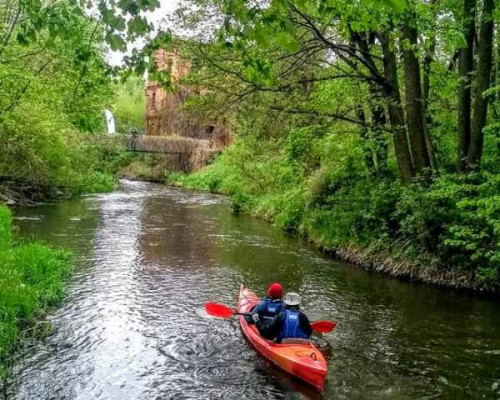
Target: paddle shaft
315	325
242	313
223	311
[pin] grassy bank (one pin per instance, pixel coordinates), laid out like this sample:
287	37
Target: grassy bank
76	165
31	281
444	231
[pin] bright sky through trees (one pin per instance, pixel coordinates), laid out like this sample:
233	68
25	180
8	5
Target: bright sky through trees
167	7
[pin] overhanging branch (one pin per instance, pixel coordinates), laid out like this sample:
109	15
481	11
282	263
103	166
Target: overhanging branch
335	116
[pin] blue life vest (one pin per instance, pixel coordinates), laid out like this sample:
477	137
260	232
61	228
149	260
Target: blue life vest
290	329
269	308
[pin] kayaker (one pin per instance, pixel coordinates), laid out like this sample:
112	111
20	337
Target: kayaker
291	323
271	305
268	308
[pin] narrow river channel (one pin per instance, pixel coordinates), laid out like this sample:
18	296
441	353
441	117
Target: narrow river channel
148	257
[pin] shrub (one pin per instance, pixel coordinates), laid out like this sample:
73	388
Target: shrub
319	184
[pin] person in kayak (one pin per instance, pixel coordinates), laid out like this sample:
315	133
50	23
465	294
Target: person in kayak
268	308
291	323
271	305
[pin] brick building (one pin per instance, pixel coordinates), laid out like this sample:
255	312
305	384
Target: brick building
164	114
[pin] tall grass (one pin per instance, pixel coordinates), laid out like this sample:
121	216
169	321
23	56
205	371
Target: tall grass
31	280
5	228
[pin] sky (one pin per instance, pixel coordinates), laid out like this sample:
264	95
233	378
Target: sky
166	8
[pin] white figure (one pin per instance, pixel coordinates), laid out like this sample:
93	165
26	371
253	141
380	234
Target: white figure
110	121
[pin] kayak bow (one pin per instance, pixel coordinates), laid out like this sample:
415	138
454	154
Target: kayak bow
301	359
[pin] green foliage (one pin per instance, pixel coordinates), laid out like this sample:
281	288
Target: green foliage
33	147
31	280
304	87
94	164
472	240
72	163
120	20
146	167
5	228
129	106
314	181
358	214
54	85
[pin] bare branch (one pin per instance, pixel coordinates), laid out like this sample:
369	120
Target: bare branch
340	49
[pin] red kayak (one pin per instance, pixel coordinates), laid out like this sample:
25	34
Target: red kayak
301	359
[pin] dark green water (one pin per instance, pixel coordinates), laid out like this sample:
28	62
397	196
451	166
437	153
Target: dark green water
149	256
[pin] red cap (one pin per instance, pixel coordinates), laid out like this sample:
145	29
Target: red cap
275	291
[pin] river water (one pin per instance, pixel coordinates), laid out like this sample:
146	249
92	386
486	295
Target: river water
148	257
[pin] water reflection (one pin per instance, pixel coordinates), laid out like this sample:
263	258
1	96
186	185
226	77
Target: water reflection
149	256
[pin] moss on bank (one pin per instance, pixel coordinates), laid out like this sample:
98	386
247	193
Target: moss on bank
32	277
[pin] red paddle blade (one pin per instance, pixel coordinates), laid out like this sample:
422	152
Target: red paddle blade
323	326
218	310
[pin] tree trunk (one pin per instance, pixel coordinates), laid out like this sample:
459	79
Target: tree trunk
429	58
465	63
395	109
426	86
497	83
497	74
365	135
375	145
414	100
426	89
379	120
379	141
483	81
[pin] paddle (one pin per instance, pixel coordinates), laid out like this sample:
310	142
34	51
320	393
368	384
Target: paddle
323	326
221	311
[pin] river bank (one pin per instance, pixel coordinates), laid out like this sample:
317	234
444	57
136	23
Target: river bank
380	261
87	164
122	333
26	193
32	280
426	234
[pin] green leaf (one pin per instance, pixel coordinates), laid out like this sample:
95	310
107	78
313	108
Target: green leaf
124	4
138	26
287	42
398	5
115	41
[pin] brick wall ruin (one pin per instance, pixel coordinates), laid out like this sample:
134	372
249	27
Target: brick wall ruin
164	114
